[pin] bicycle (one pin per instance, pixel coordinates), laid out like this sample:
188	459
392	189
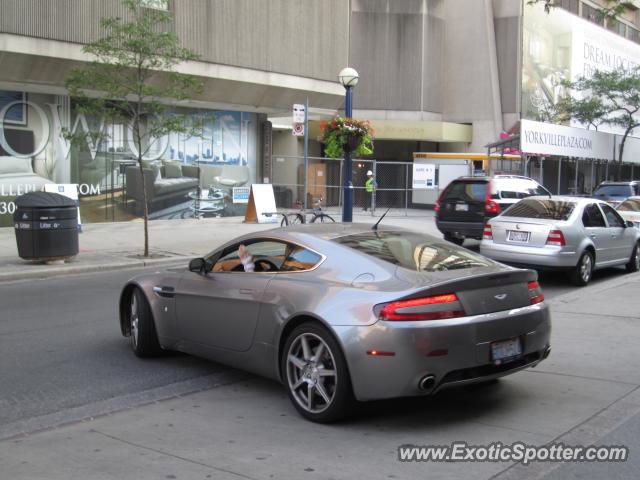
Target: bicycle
301	217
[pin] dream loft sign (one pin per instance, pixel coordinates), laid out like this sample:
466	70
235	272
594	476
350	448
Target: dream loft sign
65	145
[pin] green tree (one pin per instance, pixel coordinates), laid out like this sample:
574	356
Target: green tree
132	80
611	98
610	10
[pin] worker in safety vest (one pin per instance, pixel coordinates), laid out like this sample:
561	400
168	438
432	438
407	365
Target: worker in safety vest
369	187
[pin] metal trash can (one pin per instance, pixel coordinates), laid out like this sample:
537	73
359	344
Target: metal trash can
46	226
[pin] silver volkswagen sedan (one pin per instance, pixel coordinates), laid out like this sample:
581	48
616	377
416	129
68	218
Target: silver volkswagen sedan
341	312
574	234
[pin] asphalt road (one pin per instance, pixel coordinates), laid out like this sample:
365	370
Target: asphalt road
61	350
62	356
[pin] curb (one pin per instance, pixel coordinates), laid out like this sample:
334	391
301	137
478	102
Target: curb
44	272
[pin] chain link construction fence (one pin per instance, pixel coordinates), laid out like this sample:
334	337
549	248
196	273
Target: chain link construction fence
322	182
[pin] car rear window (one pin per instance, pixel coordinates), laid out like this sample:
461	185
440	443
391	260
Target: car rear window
466	191
630	205
413	251
541	208
614	190
516	188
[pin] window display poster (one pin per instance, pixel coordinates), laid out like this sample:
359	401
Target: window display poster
424	175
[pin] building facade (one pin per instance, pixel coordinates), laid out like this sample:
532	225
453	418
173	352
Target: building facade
436	76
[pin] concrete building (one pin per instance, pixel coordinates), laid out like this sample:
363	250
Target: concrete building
444	76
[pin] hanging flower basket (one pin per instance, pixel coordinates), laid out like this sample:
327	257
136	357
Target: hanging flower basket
346	134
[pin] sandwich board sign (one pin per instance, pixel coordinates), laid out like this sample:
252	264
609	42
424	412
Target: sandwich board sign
69	190
262	204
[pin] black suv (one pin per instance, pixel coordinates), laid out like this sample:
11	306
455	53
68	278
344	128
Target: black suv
616	192
467	202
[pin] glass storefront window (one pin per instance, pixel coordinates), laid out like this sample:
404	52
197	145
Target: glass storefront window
177	168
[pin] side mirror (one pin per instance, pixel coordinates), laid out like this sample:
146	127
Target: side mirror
197	265
629	223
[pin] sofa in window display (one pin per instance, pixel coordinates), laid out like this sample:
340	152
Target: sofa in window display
166	184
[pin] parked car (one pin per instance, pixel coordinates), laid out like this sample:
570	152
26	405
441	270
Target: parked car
629	209
568	233
338	312
616	192
467	203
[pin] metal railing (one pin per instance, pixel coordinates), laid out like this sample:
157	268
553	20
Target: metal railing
324	179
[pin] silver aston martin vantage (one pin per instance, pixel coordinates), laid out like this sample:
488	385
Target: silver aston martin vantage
341	313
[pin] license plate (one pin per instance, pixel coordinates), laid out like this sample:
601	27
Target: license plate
462	207
505	349
517	236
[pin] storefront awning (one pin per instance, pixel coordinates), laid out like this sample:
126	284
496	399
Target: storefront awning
425	131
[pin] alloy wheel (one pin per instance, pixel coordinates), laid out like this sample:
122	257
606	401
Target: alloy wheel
311	372
133	318
586	265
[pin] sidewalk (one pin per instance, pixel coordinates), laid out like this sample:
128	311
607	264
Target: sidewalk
112	246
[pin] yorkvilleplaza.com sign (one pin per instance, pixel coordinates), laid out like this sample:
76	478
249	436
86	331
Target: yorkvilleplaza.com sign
550	139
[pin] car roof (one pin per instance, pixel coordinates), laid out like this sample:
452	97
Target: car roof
494	177
611	182
565	198
325	231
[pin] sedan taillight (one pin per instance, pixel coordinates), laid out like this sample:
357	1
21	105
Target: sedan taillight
428	308
487	234
535	293
556	237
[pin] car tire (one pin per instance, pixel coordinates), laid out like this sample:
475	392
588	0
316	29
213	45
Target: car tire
450	238
319	388
634	261
144	338
581	274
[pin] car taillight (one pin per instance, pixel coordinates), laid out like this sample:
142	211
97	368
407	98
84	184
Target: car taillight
427	308
487	234
556	237
437	206
535	293
490	205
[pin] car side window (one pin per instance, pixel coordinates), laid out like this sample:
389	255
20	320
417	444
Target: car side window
592	217
229	261
267	255
300	259
613	218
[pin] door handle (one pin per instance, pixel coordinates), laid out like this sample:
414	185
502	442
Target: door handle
167	292
246	291
592	235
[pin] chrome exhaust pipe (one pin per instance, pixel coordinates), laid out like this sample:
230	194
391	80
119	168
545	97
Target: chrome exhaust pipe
427	383
546	353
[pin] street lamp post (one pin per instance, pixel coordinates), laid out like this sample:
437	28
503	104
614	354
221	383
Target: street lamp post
348	78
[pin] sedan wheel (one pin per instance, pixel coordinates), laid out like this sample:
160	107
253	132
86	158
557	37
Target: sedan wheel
634	261
144	339
316	374
581	275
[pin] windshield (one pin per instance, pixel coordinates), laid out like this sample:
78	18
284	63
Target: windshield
613	190
630	205
413	251
544	208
